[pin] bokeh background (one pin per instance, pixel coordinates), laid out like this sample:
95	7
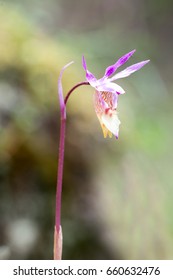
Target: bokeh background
117	195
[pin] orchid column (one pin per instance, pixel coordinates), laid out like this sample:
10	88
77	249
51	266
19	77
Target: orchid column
105	103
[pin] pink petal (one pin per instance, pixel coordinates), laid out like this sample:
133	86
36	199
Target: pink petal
114	101
89	76
129	70
111	87
111	69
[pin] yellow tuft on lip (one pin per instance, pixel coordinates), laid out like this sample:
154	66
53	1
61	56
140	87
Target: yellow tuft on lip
105	130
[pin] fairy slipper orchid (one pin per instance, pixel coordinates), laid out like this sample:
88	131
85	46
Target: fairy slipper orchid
107	92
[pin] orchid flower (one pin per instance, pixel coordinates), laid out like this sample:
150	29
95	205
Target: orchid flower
107	92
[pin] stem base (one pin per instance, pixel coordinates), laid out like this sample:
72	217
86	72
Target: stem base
58	243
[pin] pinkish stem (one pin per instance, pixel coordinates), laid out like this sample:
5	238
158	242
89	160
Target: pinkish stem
63	102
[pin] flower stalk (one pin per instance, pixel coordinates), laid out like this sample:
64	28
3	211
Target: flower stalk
58	239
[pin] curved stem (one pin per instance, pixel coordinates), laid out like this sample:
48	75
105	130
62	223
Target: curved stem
76	86
63	102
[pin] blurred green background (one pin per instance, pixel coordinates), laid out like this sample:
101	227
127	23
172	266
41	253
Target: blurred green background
117	195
